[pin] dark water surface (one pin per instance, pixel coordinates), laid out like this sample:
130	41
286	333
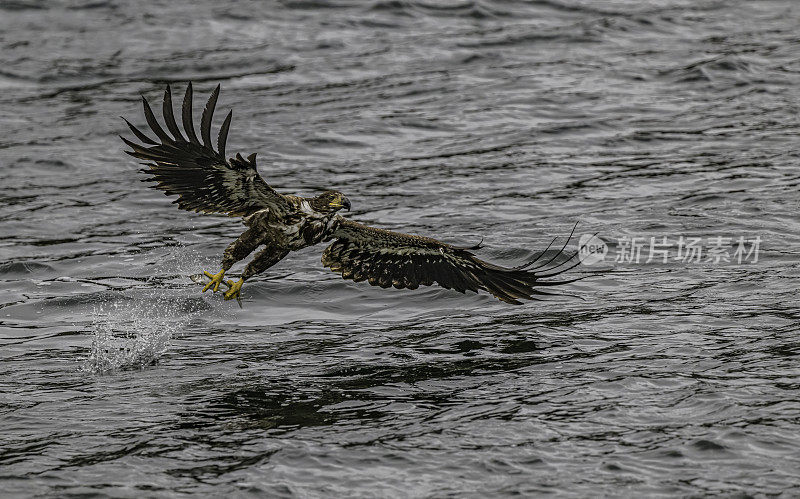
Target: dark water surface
506	120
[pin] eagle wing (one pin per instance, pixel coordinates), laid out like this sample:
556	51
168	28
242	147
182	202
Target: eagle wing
385	258
201	177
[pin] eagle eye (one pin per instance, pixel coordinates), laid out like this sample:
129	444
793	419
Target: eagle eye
338	201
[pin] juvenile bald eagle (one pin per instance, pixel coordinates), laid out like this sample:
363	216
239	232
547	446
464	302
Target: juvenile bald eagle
205	181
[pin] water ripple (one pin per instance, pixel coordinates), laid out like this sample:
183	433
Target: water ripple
462	120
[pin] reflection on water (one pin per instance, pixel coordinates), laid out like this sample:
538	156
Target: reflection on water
508	121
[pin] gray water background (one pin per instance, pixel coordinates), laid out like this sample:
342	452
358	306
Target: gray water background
507	120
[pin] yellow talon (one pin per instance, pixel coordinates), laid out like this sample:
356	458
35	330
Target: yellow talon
234	290
216	280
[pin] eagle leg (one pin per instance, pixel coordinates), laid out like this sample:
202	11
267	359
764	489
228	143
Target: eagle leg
237	250
265	259
241	247
216	280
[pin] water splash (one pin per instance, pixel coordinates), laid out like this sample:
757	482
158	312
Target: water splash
135	329
133	335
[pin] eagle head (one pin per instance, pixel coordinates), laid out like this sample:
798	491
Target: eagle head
330	201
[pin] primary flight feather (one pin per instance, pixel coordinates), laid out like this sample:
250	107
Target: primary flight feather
204	180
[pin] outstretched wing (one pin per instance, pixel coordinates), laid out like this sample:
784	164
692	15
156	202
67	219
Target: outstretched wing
385	258
201	177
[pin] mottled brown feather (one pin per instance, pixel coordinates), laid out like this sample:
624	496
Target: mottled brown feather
201	177
385	258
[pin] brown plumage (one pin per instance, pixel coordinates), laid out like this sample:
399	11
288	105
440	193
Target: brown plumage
201	177
183	165
384	258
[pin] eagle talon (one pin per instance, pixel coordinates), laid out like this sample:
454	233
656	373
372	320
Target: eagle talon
234	291
216	280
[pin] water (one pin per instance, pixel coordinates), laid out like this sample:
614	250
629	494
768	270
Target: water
509	121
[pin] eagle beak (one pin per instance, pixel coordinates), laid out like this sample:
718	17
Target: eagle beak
342	202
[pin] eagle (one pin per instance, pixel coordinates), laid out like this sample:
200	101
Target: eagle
206	181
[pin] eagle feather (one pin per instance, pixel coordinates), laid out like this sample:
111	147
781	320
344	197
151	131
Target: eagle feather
385	258
203	180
